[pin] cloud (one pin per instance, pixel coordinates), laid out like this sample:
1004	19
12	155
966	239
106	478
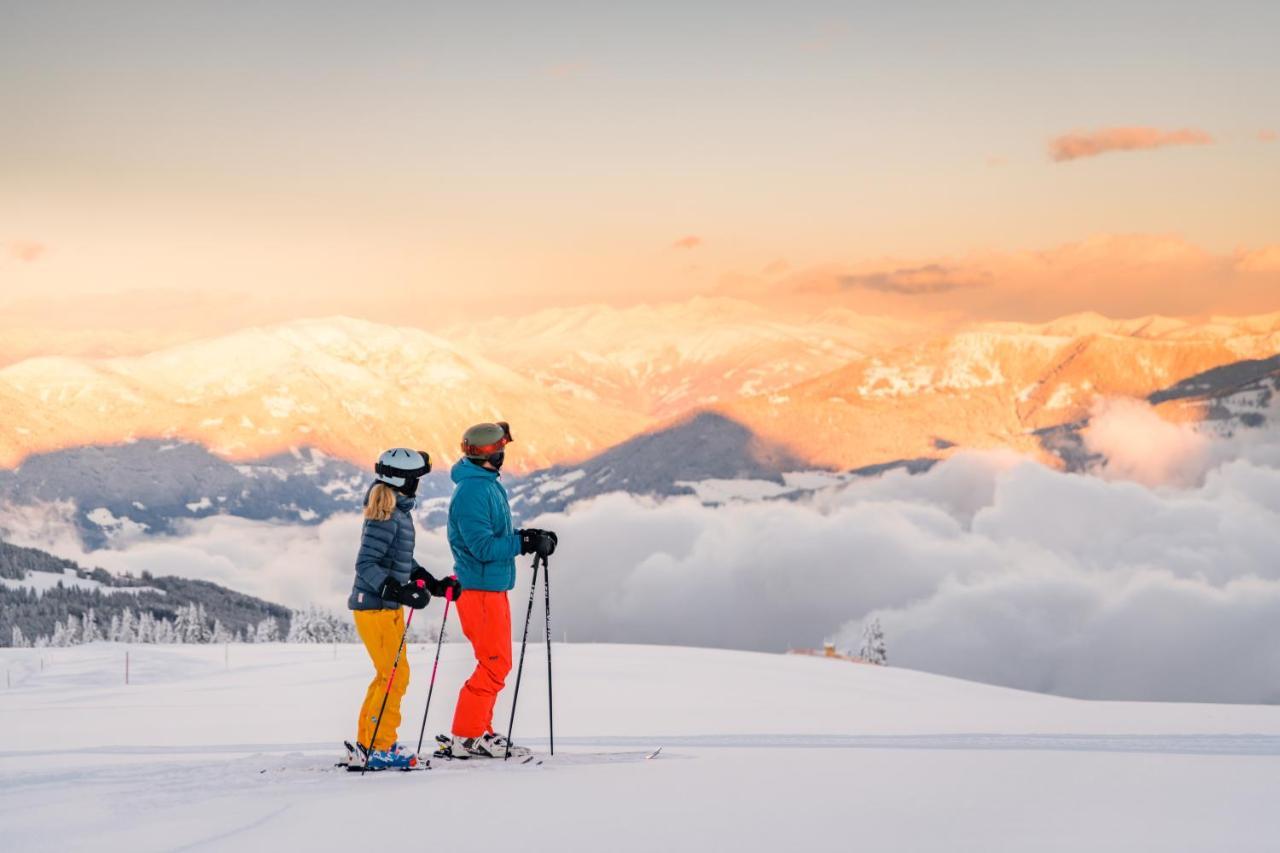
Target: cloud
988	567
1075	146
27	251
1268	136
912	281
690	242
1141	446
1263	260
1118	275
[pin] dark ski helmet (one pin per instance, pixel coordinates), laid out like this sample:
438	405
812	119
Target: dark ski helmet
400	469
486	442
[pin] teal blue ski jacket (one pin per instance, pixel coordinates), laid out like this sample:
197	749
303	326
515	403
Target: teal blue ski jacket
481	534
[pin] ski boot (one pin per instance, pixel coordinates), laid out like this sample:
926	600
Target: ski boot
489	745
395	757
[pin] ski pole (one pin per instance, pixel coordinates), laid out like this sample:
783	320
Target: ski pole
551	714
533	587
385	696
448	598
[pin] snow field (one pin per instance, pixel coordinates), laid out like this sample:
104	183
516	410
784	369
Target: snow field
229	748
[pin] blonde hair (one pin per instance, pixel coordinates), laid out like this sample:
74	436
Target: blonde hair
381	503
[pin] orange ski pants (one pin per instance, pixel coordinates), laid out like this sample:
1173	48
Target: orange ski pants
381	630
486	622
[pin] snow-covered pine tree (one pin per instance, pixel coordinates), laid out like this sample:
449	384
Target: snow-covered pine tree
300	628
268	631
164	632
59	638
201	632
181	625
146	630
113	629
128	627
314	625
873	647
90	631
18	641
220	633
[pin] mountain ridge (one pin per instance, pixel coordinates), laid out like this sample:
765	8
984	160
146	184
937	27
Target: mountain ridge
875	390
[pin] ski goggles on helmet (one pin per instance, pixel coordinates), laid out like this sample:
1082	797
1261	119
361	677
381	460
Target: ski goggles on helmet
483	450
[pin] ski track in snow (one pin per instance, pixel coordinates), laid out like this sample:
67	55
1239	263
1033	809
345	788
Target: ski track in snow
1170	744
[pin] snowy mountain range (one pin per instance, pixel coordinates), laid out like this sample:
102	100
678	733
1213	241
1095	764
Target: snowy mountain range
151	486
995	385
666	360
281	422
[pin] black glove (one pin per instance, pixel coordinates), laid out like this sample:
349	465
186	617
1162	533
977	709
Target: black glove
409	594
450	583
436	586
540	542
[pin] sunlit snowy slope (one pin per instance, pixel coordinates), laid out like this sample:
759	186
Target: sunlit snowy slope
230	749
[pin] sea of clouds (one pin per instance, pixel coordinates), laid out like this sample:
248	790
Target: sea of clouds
1156	576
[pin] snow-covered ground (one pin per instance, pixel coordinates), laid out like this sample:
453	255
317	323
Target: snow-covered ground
230	748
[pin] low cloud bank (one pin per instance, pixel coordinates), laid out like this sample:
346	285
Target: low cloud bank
988	567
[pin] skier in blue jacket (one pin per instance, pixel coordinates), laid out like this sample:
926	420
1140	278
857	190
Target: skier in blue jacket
485	545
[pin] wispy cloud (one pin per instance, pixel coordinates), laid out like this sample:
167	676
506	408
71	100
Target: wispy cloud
913	281
691	241
1119	275
1078	145
27	251
1268	136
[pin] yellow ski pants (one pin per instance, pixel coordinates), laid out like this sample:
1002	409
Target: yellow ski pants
381	630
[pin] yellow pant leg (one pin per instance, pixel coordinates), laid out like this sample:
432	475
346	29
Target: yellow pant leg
380	631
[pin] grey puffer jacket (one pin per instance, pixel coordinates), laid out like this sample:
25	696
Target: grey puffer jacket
386	550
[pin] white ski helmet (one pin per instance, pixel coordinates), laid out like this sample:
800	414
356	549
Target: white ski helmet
401	467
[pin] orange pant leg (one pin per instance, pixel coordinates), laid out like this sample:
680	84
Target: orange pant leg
486	622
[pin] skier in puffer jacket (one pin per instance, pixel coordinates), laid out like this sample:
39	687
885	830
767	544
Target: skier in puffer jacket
388	578
484	549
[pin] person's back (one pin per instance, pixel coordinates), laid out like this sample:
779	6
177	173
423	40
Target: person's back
481	534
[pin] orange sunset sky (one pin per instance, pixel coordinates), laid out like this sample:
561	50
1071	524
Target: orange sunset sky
178	169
